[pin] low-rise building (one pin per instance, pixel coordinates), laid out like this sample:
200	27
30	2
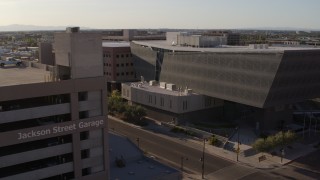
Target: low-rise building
167	102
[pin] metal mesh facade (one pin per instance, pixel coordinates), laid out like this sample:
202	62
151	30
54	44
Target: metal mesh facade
144	61
260	79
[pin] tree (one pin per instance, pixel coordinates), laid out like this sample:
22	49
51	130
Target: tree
271	142
133	113
261	145
115	103
214	141
138	112
289	137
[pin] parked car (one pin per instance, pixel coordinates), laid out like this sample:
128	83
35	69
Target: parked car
9	61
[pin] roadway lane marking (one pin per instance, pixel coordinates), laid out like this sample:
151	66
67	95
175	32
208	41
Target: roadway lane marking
231	172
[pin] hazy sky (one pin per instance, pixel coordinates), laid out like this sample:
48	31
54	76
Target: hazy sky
162	13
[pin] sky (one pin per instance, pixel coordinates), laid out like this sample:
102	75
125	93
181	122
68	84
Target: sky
178	14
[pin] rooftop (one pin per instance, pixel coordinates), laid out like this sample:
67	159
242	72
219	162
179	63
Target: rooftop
223	48
137	166
157	89
115	44
12	75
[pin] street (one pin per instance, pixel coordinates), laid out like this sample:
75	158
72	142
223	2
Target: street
170	150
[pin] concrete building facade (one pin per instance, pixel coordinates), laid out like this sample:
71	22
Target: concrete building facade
54	119
118	64
175	102
46	55
200	41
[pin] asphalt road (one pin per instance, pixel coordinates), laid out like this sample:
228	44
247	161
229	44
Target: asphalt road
172	149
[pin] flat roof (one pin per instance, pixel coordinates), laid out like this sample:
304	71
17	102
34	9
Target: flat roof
223	48
137	165
12	75
156	89
115	44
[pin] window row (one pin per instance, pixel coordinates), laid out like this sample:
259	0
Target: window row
118	65
120	74
162	102
123	55
105	55
126	73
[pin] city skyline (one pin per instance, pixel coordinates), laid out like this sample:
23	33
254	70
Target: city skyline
189	14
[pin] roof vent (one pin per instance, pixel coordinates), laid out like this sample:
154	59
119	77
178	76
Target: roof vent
152	82
163	85
171	87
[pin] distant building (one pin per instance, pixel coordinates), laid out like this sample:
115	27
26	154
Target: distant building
232	38
53	121
202	39
118	64
131	34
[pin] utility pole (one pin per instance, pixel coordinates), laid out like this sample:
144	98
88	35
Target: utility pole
204	144
310	124
315	126
238	149
182	159
304	123
138	142
282	150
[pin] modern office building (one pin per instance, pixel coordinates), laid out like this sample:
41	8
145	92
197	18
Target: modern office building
167	102
268	78
53	119
118	64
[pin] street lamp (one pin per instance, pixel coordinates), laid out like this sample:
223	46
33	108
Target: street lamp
238	149
182	158
282	130
138	142
202	158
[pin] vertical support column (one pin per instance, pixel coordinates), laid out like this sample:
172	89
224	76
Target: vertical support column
105	132
77	164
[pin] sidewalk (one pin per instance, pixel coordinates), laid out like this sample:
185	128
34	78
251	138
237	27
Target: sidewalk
247	155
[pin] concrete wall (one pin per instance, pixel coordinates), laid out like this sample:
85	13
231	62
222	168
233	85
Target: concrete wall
172	38
62	49
173	103
86	55
81	51
46	55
